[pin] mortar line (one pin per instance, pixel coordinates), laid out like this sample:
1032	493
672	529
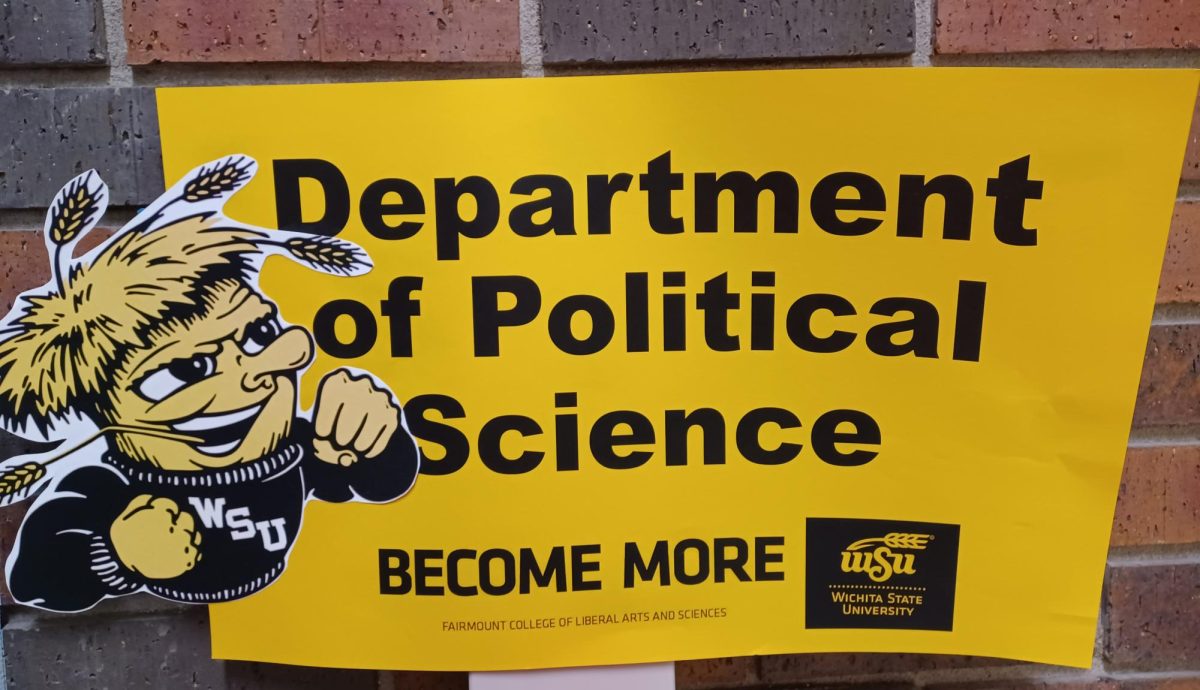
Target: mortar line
1013	671
1152	675
29	618
54	77
233	74
531	38
18	219
1161	58
32	219
1154	555
923	20
119	71
1180	314
1140	438
1189	190
726	65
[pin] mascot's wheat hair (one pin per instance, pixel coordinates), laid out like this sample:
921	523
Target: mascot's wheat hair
169	383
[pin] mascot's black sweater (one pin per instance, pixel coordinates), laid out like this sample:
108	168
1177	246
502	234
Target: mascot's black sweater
248	516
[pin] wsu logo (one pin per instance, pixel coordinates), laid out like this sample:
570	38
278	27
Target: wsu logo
879	558
843	555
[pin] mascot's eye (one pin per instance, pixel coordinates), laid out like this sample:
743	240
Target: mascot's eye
177	374
260	334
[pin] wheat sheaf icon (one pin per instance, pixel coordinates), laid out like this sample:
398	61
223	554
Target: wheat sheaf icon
895	540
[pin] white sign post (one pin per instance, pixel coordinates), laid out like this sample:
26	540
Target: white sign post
633	677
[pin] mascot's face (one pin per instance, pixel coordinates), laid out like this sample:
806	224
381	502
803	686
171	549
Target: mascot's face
160	336
227	379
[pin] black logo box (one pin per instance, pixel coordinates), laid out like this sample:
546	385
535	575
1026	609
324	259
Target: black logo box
894	598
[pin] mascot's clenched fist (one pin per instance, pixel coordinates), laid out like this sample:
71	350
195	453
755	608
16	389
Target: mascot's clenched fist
355	419
154	538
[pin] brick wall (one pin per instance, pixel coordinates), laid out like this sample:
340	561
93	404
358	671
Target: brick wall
75	80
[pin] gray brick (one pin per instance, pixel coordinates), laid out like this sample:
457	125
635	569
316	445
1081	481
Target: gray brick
240	675
102	651
424	680
47	136
51	32
657	30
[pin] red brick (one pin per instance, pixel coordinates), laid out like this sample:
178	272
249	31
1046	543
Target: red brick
1169	393
24	264
221	31
322	30
10	522
701	674
793	668
425	680
1180	281
420	31
1159	501
1191	160
1153	618
1022	26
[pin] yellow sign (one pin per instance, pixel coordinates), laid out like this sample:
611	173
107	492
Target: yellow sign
713	364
